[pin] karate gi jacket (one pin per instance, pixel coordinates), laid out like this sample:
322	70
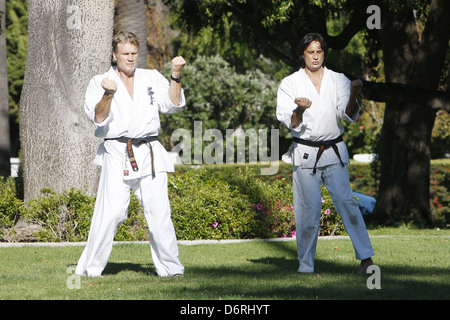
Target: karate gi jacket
133	118
321	121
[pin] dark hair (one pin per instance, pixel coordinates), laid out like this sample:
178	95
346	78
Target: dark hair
306	41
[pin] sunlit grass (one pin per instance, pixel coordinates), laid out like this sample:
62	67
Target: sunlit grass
413	265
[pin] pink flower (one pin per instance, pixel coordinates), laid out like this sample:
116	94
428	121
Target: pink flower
321	200
259	206
215	224
293	234
328	211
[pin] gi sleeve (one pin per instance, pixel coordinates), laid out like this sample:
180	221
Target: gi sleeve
165	105
94	94
343	95
286	104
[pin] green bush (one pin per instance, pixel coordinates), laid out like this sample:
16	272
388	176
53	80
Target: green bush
216	202
330	221
439	195
134	228
206	207
67	217
364	180
236	203
63	217
225	203
11	208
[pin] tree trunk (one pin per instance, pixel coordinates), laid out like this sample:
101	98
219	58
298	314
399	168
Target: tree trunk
405	164
5	166
404	145
159	34
68	43
130	16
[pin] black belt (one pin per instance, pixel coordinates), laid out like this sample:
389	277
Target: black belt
322	145
136	142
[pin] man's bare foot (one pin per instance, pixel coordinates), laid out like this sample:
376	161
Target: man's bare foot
366	263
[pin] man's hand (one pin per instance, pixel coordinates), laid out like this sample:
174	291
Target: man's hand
297	116
352	107
355	87
303	102
175	86
103	107
110	86
177	64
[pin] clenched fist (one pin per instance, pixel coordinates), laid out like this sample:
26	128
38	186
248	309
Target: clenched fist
355	87
110	86
303	102
177	64
297	115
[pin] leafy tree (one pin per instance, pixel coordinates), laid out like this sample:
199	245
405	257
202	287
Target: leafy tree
274	27
4	119
4	107
207	41
222	99
16	39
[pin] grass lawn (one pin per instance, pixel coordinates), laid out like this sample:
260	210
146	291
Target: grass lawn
414	264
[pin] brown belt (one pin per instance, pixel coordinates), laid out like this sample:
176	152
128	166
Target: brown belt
137	142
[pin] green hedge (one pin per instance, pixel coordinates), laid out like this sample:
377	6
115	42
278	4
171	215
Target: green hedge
364	181
211	202
206	203
363	178
11	208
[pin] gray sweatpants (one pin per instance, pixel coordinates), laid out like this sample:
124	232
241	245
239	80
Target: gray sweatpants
307	211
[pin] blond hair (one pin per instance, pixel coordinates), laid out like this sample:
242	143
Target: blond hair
123	36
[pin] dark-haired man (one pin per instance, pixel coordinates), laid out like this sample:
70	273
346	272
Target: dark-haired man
312	102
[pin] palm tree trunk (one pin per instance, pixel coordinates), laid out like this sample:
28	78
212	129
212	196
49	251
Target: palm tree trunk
130	16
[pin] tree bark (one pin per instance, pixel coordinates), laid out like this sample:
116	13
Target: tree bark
130	16
68	43
159	34
404	145
412	67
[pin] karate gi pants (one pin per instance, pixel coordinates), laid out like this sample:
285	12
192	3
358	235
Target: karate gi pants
307	211
111	209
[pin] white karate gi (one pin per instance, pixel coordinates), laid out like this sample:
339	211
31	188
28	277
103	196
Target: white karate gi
322	121
132	118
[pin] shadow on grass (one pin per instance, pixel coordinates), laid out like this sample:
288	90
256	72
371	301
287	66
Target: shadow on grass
275	277
113	268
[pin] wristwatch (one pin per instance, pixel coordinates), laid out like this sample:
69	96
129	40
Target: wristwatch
177	79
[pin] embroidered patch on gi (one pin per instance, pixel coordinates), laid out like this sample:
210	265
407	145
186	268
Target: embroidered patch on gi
305	156
150	92
126	173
